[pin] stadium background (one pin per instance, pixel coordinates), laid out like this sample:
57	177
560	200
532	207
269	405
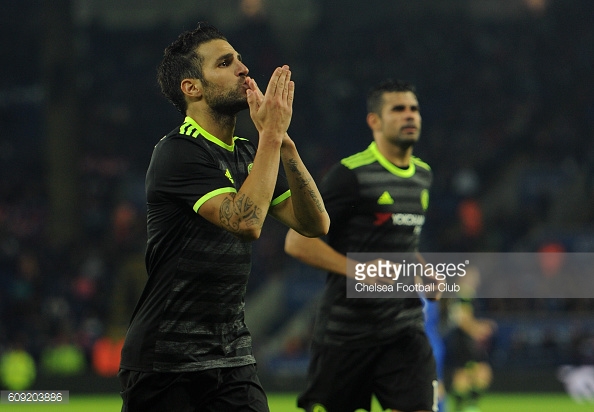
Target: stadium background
507	97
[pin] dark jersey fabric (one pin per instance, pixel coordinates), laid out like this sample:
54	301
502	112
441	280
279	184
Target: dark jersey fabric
190	315
374	207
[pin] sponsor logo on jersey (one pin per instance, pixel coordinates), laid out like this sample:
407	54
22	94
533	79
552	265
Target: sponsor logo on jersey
407	219
381	218
400	219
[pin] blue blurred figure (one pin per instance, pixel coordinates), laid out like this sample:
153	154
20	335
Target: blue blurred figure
431	310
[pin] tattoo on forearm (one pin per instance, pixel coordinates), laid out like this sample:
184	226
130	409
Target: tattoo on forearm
317	201
304	183
303	180
235	210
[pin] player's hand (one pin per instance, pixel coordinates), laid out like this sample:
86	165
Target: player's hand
271	112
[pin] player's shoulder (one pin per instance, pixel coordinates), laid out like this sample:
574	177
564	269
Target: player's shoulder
420	163
359	159
244	144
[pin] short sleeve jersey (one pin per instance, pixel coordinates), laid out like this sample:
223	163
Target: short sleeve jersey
190	316
374	207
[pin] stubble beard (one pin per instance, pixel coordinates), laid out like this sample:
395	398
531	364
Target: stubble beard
225	104
405	142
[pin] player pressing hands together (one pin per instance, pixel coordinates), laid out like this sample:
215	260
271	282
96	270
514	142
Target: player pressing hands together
208	193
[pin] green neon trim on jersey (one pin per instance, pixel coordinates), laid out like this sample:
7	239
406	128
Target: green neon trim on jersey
372	154
420	163
191	128
212	194
359	159
281	198
390	167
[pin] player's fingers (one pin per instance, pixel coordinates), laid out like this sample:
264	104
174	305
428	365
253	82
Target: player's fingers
291	94
254	88
287	81
281	84
273	83
252	102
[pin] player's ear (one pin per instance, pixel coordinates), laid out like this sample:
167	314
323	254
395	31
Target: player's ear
373	121
192	88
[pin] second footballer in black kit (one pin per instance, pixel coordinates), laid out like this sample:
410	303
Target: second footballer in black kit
376	200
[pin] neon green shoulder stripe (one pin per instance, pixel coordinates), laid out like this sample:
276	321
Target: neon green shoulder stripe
420	163
280	198
191	128
359	159
212	194
372	154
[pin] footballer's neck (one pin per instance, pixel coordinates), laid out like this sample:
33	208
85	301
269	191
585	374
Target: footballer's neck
219	125
397	155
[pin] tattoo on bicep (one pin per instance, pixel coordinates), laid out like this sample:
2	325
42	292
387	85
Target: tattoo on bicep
235	210
248	211
227	215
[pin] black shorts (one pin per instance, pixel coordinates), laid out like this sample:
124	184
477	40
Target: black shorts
214	390
400	374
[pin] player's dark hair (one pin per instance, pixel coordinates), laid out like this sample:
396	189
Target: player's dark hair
181	61
375	96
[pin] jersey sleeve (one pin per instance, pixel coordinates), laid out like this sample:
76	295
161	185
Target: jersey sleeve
281	190
183	171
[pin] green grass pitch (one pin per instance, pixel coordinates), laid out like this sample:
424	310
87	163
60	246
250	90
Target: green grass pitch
286	403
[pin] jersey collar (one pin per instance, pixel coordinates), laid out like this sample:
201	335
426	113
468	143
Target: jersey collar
389	165
209	136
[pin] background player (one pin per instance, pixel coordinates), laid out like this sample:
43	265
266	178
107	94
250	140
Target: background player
365	346
467	361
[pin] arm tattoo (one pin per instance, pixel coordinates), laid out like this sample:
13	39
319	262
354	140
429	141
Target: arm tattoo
226	214
235	210
304	183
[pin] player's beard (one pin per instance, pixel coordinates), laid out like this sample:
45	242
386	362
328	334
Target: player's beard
405	141
405	144
225	102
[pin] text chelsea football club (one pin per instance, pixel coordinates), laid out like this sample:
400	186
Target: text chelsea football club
394	271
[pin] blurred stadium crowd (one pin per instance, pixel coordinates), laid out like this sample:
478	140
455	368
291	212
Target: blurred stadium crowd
508	106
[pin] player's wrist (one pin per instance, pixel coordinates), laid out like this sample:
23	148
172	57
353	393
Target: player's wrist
288	143
270	138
